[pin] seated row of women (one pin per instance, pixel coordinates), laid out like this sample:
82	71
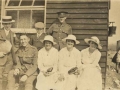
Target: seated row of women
64	70
69	68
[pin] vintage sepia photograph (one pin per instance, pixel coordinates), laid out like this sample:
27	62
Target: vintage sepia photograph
59	45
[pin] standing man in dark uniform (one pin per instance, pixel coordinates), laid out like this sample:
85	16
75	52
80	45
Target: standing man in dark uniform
36	40
60	30
39	36
6	60
26	68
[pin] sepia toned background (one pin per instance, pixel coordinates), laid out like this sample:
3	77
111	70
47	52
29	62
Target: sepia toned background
87	19
114	16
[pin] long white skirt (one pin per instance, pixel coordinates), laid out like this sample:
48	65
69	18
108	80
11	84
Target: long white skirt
90	79
69	83
45	83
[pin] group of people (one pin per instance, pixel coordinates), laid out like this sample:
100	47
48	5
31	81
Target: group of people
49	57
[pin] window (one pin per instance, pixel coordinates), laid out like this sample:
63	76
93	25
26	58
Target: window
26	13
26	18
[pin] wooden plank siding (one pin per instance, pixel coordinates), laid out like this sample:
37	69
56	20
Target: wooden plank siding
0	13
86	19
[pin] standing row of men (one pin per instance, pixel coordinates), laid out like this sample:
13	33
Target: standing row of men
59	30
26	54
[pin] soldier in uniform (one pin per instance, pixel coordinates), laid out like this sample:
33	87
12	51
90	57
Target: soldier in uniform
36	39
26	68
60	30
6	59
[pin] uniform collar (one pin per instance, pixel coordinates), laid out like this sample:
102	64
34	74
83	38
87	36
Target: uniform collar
26	48
62	24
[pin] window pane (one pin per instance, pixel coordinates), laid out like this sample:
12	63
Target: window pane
39	3
14	3
24	19
13	13
37	16
26	2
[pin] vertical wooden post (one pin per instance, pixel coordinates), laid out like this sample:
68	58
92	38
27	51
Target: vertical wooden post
2	10
45	15
31	11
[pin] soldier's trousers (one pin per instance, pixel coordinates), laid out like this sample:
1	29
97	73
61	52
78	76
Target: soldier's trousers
28	83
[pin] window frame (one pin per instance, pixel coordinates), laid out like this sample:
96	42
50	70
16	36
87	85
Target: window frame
5	8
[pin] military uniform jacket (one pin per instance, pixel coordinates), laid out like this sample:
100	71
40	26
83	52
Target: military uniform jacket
36	41
27	60
59	31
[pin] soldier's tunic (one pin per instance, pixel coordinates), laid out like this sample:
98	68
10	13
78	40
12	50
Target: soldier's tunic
68	60
27	64
47	60
59	31
36	41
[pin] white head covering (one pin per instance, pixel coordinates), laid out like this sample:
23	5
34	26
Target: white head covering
7	19
71	37
49	38
95	40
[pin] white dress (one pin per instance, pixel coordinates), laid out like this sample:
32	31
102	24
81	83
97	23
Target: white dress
45	61
68	60
90	78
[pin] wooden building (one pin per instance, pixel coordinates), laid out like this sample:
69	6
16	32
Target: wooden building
86	17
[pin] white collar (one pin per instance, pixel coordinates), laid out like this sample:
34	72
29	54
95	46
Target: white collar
6	31
38	35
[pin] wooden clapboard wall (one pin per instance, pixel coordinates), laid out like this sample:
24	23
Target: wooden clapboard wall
87	19
0	13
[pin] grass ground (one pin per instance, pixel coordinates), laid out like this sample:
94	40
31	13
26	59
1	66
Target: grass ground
112	77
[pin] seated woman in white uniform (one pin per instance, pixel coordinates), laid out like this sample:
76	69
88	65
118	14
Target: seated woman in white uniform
47	63
90	78
69	62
